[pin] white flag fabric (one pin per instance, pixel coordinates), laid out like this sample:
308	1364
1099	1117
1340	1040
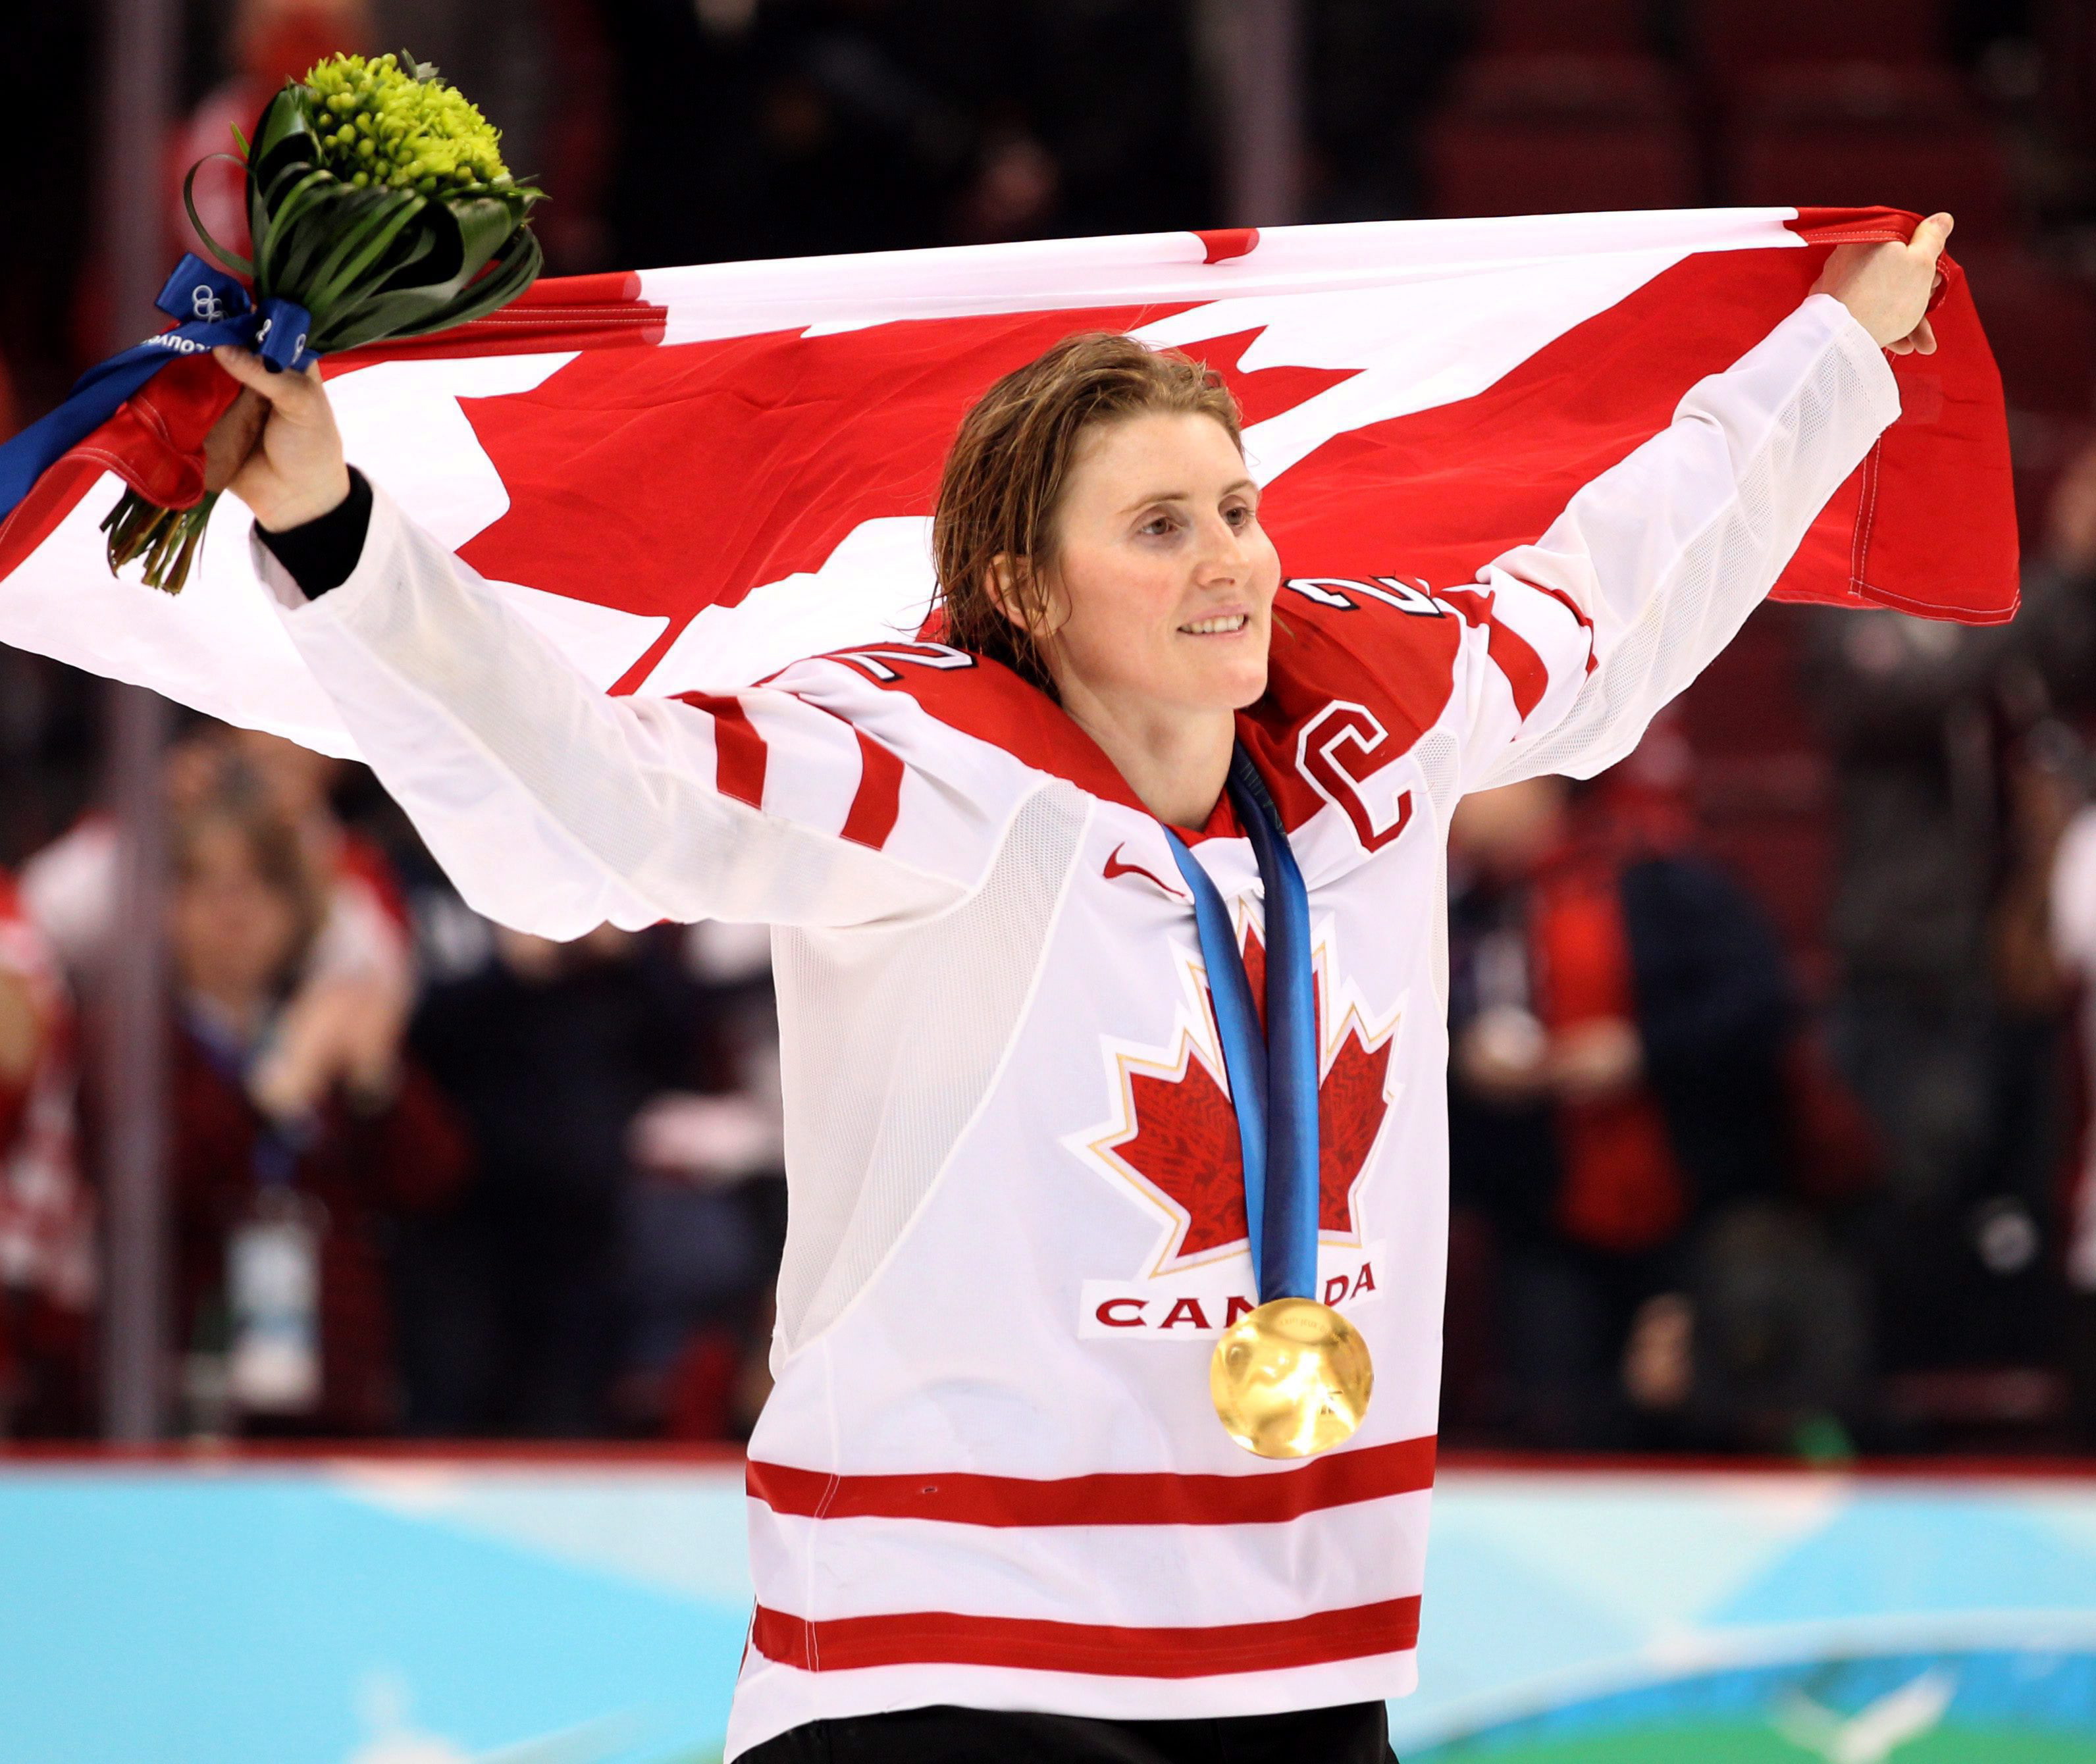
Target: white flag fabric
691	478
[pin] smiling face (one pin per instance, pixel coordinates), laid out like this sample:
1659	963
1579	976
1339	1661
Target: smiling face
1161	582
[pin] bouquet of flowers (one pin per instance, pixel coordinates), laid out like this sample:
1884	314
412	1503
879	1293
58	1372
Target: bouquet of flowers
378	207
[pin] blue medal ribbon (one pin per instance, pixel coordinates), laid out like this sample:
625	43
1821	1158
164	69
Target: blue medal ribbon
211	308
1273	1075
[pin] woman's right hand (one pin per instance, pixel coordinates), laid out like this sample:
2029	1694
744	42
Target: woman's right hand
277	449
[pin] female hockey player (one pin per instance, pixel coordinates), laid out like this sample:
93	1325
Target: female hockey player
1029	886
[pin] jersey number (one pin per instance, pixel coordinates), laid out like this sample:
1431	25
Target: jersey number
879	662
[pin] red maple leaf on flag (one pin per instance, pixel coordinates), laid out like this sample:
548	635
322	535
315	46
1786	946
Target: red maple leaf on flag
1183	1143
706	469
664	479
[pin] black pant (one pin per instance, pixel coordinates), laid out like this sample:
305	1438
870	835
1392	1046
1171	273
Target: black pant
1356	1733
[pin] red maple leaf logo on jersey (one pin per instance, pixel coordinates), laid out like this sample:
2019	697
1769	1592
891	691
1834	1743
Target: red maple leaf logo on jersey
1178	1139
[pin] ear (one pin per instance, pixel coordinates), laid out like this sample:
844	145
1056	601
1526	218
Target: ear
999	581
1007	582
1024	598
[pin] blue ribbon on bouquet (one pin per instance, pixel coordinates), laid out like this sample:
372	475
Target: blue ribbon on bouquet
211	307
1272	1074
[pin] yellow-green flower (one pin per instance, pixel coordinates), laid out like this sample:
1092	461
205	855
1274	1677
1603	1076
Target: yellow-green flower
392	120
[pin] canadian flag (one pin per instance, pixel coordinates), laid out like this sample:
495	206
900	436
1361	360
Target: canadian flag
690	478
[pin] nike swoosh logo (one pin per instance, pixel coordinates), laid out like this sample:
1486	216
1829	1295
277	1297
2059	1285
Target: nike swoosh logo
1115	867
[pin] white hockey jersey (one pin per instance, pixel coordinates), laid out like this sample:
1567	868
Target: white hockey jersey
989	1474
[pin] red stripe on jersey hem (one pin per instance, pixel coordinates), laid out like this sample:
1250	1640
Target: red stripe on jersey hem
1338	1479
740	754
879	798
1035	1644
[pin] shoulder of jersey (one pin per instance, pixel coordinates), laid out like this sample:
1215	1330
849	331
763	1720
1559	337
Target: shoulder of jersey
1381	646
1388	650
976	698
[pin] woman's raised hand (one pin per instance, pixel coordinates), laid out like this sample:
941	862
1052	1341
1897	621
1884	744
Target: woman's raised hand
277	448
1886	286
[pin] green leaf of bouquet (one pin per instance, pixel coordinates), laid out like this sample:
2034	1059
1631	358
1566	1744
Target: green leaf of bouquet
274	187
463	237
287	151
429	245
447	258
286	127
259	223
302	231
270	259
232	260
401	312
485	224
404	266
416	312
363	241
514	271
284	197
370	311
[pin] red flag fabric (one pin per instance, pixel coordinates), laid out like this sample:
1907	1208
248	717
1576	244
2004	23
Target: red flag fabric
693	476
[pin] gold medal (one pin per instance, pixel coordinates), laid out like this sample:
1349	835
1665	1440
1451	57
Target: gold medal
1291	1380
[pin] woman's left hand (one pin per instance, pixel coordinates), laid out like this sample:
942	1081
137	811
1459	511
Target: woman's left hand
1888	285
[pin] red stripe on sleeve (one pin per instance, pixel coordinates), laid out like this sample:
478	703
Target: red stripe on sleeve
1511	652
740	754
1338	1479
947	1638
879	795
1572	606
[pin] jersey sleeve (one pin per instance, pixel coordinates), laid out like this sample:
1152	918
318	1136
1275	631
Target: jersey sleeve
1656	564
555	807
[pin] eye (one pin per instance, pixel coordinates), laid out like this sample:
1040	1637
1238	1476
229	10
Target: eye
1240	514
1158	525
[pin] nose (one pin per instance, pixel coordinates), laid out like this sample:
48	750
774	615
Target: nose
1222	557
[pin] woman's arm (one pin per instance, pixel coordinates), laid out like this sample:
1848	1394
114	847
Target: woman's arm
555	807
1656	564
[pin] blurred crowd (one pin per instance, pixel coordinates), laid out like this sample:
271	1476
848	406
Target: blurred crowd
425	1174
1773	1050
